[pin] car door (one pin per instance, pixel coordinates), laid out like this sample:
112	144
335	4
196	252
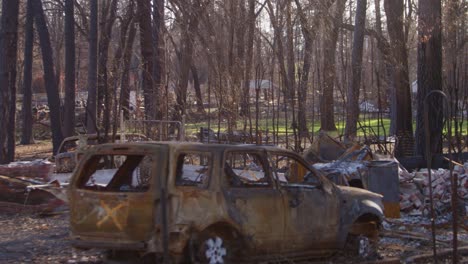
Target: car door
112	193
310	203
253	201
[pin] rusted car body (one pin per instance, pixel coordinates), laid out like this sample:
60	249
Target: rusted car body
71	149
213	203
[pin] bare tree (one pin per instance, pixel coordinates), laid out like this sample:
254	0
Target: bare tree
125	79
332	25
91	106
69	106
49	76
108	16
8	59
146	38
400	79
352	113
429	75
159	54
26	135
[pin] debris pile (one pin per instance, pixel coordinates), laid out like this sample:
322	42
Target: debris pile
414	190
37	169
25	186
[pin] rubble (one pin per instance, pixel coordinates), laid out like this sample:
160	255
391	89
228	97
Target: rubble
36	169
18	195
414	190
25	186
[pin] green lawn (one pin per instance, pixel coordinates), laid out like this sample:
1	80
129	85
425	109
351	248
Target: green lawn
366	127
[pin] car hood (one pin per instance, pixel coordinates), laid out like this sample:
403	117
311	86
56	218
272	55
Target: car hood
359	193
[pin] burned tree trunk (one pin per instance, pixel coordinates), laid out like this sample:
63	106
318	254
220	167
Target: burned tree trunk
159	56
108	16
144	15
26	135
49	76
245	101
125	81
8	58
196	86
401	87
91	105
352	113
69	106
429	75
327	111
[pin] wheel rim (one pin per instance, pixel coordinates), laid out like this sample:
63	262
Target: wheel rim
364	246
215	251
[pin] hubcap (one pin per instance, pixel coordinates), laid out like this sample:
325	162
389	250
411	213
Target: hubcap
215	250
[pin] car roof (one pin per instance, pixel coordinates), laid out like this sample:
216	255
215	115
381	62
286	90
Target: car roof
194	145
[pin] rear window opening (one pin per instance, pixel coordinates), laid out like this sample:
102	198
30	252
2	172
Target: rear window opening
244	169
117	173
193	169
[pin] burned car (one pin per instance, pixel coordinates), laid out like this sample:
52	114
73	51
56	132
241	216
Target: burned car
72	148
211	203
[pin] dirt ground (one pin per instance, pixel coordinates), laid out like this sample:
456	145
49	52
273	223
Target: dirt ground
29	238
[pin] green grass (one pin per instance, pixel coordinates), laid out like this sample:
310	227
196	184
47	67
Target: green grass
369	126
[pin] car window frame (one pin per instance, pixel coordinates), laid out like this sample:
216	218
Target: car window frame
299	159
210	172
79	183
265	166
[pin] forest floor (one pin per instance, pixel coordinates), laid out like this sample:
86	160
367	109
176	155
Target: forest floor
30	238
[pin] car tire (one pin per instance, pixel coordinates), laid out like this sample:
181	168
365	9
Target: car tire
215	248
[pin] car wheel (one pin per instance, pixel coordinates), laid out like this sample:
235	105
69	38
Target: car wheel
212	248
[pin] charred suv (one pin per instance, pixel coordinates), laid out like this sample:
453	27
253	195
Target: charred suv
211	203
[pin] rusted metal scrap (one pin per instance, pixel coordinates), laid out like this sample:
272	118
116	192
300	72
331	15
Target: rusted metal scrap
16	197
72	148
37	169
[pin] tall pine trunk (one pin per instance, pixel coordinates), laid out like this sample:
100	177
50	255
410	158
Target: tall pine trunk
8	59
69	107
159	56
27	119
352	114
108	16
146	46
429	75
127	58
91	105
400	79
49	75
327	111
